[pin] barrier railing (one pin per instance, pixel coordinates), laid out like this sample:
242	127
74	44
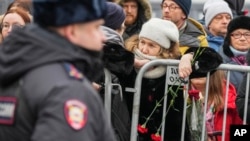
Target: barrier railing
167	63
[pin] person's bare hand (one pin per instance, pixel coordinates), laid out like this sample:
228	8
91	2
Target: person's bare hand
96	86
185	67
139	63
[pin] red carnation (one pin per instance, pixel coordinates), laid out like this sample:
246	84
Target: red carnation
142	129
155	137
194	94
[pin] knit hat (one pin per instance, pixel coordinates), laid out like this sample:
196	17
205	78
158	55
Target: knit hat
207	61
185	5
214	8
115	16
160	31
65	12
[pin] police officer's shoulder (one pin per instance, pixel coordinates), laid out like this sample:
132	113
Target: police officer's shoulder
72	71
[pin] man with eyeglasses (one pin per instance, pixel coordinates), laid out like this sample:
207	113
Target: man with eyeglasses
191	35
217	16
191	31
137	13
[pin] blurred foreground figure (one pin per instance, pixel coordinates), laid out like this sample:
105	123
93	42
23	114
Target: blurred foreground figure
46	70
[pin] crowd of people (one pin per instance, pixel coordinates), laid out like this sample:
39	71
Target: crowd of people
53	55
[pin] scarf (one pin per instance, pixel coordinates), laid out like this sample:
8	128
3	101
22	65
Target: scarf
153	73
239	56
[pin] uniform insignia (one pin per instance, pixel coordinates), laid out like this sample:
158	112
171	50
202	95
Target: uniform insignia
72	71
7	110
75	113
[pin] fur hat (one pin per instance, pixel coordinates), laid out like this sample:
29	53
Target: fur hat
236	23
206	62
115	16
185	5
160	31
214	8
239	22
65	12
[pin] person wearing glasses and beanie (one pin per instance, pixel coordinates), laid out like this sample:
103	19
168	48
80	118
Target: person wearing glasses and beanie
192	33
236	46
46	70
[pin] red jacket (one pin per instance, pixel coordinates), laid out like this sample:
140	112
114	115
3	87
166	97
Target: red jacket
232	114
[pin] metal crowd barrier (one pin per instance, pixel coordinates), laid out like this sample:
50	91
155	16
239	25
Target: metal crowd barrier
108	92
174	63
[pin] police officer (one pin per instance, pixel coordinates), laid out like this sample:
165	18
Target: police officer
45	74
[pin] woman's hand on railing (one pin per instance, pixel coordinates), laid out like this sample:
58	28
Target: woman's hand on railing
185	67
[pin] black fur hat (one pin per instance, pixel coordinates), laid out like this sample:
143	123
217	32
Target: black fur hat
236	23
65	12
206	60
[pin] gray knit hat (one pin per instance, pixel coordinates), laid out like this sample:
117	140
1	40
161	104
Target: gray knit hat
214	8
160	31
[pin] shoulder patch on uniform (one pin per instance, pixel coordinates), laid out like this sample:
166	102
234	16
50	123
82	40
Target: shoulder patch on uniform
72	71
7	109
76	113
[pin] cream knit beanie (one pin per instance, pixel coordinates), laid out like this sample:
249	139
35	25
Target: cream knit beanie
160	31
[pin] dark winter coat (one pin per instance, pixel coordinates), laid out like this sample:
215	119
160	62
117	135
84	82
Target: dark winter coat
240	100
152	90
44	61
118	61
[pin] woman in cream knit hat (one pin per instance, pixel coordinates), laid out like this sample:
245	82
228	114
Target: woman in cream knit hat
158	39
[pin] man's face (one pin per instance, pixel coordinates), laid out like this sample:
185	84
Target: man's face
89	35
131	11
218	25
171	11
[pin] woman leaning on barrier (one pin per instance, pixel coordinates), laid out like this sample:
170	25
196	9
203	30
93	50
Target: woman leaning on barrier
158	39
215	104
196	69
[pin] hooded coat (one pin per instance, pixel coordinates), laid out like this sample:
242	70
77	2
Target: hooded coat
144	14
39	59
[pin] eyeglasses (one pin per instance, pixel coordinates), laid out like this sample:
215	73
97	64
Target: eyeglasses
171	7
6	26
238	35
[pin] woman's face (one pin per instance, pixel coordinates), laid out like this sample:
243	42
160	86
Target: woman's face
240	39
149	47
10	20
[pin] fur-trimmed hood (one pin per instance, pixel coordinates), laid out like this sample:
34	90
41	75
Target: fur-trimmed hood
145	4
